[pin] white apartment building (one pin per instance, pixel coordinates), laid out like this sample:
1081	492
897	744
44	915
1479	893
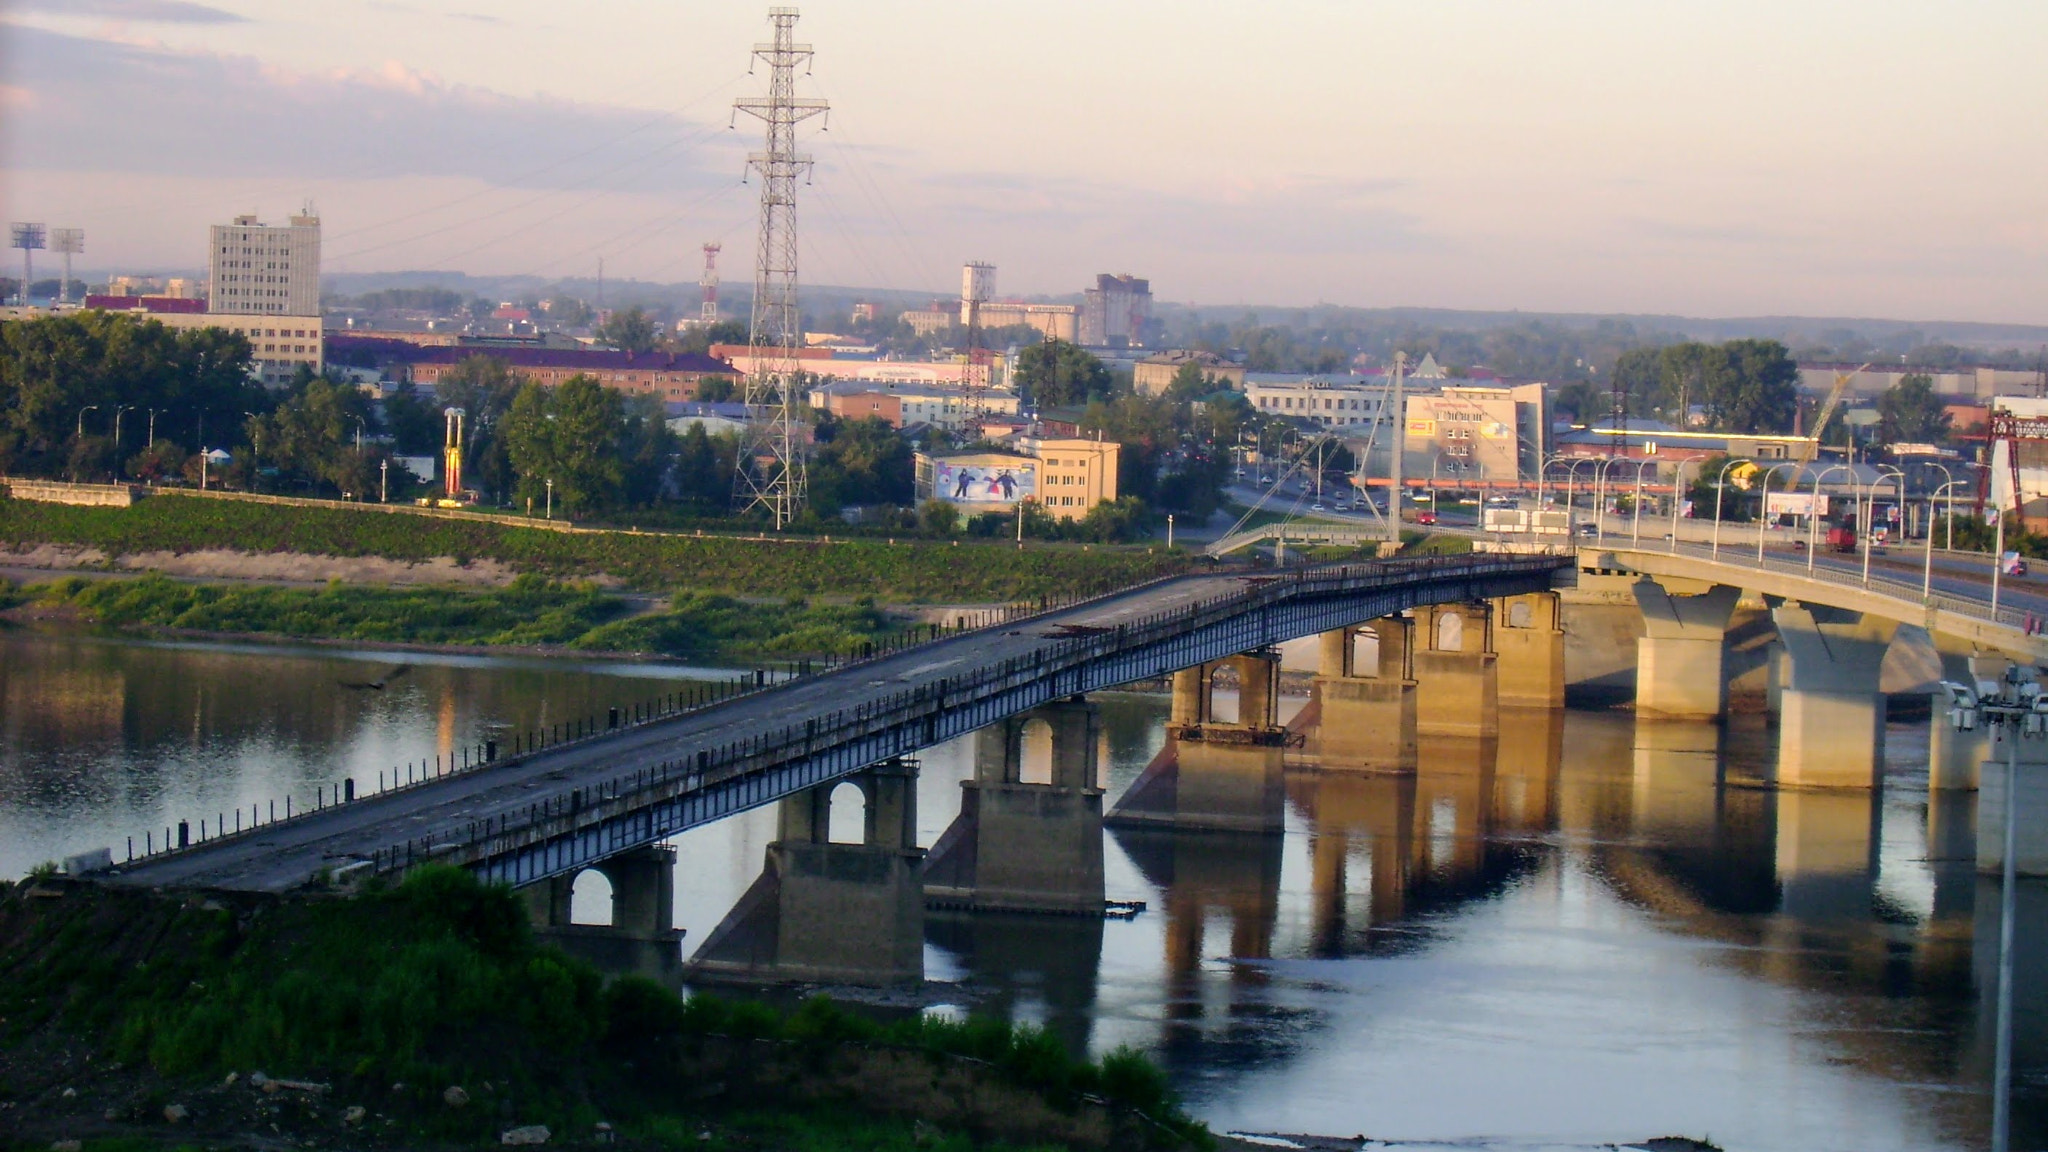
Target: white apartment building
1345	403
261	269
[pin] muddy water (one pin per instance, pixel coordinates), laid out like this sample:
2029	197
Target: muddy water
1585	934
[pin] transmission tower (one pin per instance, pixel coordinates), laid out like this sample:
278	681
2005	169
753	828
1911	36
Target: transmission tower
772	473
707	315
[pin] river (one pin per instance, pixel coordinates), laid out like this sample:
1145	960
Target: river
1593	935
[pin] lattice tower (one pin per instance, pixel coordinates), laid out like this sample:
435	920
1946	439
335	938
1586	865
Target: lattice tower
772	473
707	315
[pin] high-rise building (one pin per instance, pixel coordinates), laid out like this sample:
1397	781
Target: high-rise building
1116	312
260	269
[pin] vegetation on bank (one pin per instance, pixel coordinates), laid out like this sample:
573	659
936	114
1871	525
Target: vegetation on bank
532	611
909	572
397	995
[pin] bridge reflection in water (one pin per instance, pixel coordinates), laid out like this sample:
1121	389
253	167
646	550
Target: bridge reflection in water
1264	938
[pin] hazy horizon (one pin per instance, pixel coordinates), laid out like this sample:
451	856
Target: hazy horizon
1809	158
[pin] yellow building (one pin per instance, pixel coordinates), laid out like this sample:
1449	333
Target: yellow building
1076	475
1065	477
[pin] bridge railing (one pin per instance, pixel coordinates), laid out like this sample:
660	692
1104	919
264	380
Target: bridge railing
595	805
2016	618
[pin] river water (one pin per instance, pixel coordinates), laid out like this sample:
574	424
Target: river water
1589	934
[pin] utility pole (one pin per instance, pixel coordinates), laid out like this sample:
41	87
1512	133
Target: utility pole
771	474
1399	444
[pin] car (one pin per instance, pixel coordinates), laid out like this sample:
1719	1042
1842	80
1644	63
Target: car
1425	517
1316	507
1589	529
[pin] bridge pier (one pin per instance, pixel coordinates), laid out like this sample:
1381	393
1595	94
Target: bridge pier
1831	718
1679	659
1029	834
1196	717
826	912
1362	704
1528	639
641	936
1457	685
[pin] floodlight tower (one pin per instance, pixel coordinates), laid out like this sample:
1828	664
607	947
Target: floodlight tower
772	473
69	241
28	238
707	315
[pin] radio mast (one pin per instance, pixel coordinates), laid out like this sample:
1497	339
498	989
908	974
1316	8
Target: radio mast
771	475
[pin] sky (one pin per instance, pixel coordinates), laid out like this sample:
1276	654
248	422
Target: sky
1740	157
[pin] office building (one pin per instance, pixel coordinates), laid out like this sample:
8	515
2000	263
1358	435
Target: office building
1350	404
1117	312
260	269
1475	433
278	345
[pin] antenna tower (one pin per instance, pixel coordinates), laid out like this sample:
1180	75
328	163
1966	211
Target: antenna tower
70	242
977	284
1618	415
771	475
707	315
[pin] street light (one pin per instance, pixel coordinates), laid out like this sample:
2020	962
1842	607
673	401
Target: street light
1600	496
1635	506
1764	505
81	419
1720	487
1571	475
551	501
1869	512
1813	514
118	409
2014	708
1927	569
1678	487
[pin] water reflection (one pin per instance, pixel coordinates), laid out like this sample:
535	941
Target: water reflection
1586	931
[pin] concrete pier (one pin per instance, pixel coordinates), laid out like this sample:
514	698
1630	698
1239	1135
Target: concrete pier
1528	641
1029	834
1457	689
1362	703
639	935
825	912
1679	658
2030	857
1197	715
1831	717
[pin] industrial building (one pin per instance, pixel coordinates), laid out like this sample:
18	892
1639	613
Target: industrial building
1153	374
1348	403
903	404
261	269
1117	312
1976	383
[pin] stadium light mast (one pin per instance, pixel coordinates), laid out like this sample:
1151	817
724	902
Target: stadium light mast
28	238
70	242
773	474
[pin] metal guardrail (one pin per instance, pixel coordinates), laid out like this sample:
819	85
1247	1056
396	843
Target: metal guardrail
2014	618
611	806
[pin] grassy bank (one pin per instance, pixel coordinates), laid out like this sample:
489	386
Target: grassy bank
531	612
909	572
393	998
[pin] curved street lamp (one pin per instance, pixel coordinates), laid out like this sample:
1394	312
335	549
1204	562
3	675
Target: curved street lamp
1927	567
1677	490
1720	487
1600	496
1635	505
1813	513
1869	512
1763	520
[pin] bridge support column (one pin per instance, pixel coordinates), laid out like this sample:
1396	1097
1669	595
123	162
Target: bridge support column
1679	674
2030	802
1528	637
1362	709
1457	686
1831	719
1029	834
1208	786
1195	714
641	937
825	912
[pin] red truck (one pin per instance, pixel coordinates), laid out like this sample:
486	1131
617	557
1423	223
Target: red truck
1842	539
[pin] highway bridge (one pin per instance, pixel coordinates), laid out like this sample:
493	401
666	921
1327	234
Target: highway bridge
534	815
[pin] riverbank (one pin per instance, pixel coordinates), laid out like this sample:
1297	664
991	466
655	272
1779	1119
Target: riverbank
303	540
531	614
426	1015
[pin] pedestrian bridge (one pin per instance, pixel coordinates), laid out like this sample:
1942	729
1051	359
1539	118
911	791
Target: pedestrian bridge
553	807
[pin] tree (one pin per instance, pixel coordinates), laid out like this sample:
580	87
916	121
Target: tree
1909	412
1054	373
861	462
483	387
413	422
700	337
703	470
630	330
311	437
647	447
937	518
570	435
1760	390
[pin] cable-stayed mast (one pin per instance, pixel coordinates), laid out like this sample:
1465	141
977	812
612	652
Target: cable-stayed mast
773	475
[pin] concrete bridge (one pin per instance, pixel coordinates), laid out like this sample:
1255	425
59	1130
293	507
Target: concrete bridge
530	816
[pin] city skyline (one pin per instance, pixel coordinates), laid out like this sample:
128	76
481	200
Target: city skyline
1809	159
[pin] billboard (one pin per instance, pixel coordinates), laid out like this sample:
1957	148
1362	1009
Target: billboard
1778	504
985	482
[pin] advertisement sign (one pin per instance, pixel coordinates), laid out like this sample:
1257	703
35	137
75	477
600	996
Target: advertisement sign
1422	429
985	482
1778	504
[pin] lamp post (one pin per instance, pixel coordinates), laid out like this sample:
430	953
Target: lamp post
1169	531
384	481
1600	496
1677	489
118	410
359	435
1571	475
1927	567
1870	511
2014	708
255	448
1950	477
1813	512
81	419
1720	487
551	500
1763	519
1635	505
152	428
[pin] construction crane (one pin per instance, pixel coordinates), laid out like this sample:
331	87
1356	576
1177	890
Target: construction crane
1827	411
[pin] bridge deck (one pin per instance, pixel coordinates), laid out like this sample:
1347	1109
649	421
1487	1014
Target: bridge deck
545	813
